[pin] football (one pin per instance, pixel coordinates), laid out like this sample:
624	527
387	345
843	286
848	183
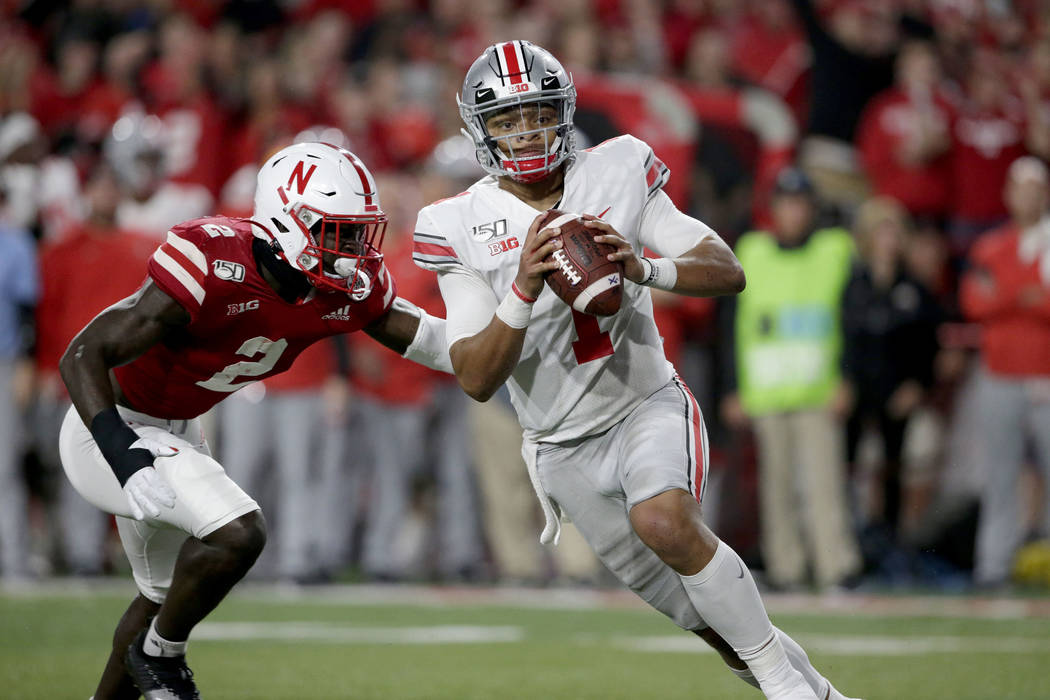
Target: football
585	279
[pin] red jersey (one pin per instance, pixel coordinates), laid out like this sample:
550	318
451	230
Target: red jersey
985	143
888	121
776	58
82	273
240	331
1015	336
629	105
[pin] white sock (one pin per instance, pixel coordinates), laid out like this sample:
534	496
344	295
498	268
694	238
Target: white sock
156	645
800	661
725	595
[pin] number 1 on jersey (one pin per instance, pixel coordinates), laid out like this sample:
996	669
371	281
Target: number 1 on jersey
592	342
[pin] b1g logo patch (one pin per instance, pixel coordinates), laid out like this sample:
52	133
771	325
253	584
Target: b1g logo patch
503	246
486	232
241	307
230	271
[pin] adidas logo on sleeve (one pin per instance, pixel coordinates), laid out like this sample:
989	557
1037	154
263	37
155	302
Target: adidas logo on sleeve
340	314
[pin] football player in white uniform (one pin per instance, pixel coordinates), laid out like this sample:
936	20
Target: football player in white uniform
614	440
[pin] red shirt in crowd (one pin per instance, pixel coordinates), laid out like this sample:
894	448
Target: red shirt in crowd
887	123
83	273
984	145
379	372
55	109
630	106
1011	301
778	60
194	129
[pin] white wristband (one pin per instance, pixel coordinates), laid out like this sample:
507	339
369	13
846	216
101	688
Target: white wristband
662	273
514	311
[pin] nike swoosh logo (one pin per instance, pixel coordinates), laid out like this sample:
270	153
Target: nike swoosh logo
741	574
604	212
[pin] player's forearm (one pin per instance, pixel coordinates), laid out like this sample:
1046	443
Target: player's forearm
86	376
414	334
85	369
483	362
710	269
696	262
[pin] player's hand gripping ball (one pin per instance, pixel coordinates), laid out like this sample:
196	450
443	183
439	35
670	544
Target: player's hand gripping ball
585	278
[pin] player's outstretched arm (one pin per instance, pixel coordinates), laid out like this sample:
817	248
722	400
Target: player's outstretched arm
709	269
696	262
412	333
484	360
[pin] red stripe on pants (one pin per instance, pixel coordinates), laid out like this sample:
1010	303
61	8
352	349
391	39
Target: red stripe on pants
698	442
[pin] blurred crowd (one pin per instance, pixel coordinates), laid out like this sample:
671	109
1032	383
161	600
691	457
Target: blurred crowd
878	398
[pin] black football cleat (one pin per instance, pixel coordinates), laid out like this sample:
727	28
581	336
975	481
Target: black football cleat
159	678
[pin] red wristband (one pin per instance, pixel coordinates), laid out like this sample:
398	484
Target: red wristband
521	295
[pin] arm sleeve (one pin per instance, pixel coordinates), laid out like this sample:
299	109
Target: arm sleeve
469	303
180	268
667	231
655	173
430	249
982	293
428	347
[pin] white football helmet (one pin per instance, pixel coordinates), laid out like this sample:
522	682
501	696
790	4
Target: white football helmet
511	75
319	203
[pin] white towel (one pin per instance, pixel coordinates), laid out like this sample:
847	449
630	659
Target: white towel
551	511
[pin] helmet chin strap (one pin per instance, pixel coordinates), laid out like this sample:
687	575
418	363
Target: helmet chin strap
351	269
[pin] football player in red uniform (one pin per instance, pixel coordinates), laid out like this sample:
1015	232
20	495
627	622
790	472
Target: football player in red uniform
227	302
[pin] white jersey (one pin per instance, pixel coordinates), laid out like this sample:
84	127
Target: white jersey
578	375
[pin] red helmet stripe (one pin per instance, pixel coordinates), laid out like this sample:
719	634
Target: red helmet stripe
365	187
510	57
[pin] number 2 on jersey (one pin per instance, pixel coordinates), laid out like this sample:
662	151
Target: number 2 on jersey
592	342
271	350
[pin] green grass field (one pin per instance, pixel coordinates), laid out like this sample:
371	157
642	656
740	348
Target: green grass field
465	644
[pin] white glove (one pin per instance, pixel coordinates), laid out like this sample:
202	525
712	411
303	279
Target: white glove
147	490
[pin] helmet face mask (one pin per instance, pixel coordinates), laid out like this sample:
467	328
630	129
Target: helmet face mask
527	86
344	253
319	203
